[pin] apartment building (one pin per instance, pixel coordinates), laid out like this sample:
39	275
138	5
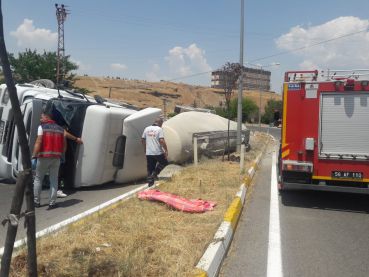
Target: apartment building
253	79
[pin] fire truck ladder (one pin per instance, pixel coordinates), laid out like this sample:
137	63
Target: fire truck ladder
356	74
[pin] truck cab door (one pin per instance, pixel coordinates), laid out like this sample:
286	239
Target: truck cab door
31	111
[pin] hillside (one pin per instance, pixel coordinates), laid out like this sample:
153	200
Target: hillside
152	94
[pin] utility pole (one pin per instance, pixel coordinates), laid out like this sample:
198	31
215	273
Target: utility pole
240	83
165	101
260	88
61	16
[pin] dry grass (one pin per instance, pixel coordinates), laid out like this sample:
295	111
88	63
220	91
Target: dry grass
143	238
151	94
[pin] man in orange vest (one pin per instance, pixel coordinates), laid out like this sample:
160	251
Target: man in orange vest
49	148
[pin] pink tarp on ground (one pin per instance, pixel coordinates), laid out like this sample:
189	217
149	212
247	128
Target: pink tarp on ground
177	202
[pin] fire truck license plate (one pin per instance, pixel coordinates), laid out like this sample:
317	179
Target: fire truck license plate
347	175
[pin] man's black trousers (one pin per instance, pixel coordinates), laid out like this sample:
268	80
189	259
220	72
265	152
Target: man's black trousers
155	164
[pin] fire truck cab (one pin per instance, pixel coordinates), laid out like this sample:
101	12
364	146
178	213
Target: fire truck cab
325	131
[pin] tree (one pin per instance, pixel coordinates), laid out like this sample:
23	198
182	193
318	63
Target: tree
229	75
30	65
249	109
270	107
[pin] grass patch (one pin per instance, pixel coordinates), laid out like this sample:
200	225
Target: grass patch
143	238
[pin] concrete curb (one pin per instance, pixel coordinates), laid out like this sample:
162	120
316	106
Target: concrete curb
212	259
79	218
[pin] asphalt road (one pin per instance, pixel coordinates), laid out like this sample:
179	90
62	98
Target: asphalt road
76	202
274	131
314	234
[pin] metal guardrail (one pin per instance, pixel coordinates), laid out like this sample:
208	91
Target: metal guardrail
218	135
205	139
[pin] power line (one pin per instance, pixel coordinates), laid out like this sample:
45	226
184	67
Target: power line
189	76
309	46
152	22
280	53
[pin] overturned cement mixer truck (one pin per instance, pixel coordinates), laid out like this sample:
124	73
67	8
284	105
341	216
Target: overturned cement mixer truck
211	130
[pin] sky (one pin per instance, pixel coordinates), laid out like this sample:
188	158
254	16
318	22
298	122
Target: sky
183	41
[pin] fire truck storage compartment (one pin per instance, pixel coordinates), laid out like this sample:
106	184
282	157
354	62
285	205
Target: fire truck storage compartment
344	132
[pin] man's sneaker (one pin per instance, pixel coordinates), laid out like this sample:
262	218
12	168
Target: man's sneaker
154	175
37	205
60	194
52	206
150	180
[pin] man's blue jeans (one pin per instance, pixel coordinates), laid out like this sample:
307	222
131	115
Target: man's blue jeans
51	166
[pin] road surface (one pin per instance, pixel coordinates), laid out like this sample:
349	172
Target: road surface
299	233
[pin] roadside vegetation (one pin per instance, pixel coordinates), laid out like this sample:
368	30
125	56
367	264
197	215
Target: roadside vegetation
249	110
270	107
30	65
144	238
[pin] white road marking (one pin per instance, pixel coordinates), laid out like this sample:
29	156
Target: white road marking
274	246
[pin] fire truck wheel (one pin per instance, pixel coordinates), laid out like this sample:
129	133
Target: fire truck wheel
281	189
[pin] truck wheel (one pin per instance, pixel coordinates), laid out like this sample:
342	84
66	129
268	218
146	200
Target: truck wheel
281	188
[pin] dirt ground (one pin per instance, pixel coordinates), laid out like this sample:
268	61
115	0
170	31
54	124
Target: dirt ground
152	94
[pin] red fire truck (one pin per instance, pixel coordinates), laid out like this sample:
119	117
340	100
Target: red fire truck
325	131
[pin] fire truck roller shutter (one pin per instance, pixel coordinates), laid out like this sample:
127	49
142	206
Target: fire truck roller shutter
344	125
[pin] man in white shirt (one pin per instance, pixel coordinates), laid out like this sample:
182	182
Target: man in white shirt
156	150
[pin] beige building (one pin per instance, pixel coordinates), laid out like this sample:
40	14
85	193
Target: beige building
253	78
